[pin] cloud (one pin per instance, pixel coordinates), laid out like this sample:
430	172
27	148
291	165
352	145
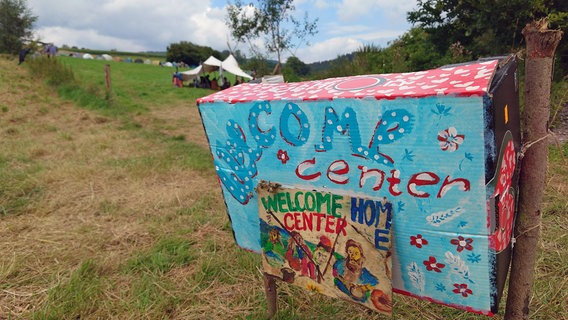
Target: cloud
152	25
353	10
88	38
328	49
130	24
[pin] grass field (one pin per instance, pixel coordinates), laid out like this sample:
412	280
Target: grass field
110	209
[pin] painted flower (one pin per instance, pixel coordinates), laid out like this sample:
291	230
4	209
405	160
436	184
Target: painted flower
408	155
313	287
467	156
283	156
450	139
502	236
474	258
462	243
441	110
506	170
506	215
433	265
462	289
418	241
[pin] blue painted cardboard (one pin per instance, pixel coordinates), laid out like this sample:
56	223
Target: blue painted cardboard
440	145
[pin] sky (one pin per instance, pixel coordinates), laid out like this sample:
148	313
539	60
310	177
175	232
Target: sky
151	25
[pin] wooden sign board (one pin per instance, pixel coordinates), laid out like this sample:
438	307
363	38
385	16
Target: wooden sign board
333	244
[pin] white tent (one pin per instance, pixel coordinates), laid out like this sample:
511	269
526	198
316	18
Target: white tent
191	74
232	66
213	64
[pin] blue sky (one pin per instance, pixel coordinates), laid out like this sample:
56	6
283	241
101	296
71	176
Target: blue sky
151	25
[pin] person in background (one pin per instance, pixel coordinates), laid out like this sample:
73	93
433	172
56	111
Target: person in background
50	50
214	84
23	53
226	84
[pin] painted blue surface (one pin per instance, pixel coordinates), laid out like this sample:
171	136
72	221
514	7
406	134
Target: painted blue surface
398	138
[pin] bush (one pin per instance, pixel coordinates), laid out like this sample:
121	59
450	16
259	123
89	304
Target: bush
51	70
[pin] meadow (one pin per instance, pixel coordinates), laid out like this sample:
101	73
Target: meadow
110	208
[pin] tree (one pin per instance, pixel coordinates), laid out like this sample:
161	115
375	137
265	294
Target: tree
271	20
16	22
482	27
541	44
294	69
189	53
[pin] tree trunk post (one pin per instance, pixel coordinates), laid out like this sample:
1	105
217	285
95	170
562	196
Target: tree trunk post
541	44
270	290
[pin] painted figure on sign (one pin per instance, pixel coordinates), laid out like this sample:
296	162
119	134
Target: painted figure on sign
322	257
350	276
299	256
274	248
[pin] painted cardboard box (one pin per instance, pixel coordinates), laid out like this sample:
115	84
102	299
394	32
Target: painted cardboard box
441	145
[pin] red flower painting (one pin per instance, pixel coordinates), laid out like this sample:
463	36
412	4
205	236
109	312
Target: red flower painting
283	156
506	205
462	289
433	265
418	241
462	243
450	139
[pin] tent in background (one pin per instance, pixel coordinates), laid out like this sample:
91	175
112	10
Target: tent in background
213	64
232	66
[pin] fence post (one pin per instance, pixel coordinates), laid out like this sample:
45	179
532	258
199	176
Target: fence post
270	290
541	44
107	77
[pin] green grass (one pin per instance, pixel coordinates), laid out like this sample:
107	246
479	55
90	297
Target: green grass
76	297
134	87
165	255
18	188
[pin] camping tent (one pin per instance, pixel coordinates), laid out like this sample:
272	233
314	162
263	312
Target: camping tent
213	64
232	66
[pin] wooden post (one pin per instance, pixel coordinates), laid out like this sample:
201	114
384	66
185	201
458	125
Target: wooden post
541	44
270	290
107	77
